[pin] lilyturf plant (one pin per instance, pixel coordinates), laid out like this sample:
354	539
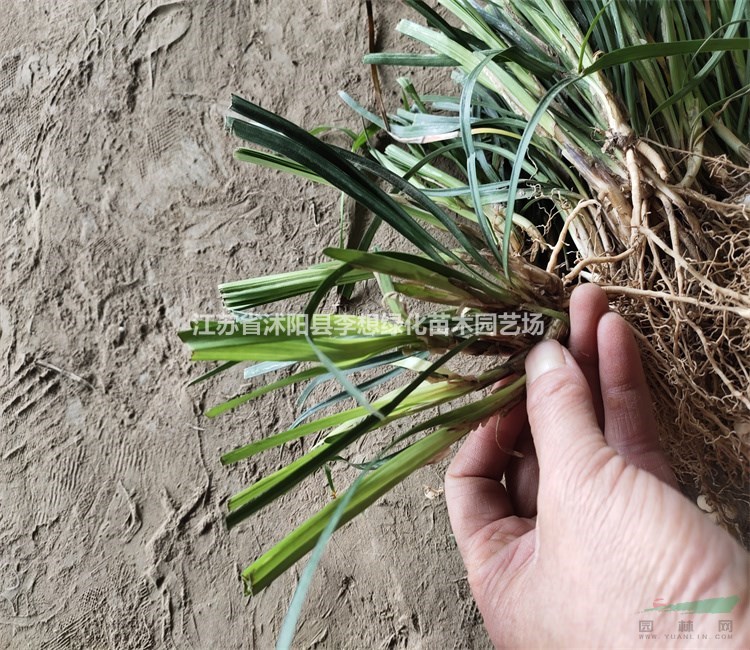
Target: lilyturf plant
586	141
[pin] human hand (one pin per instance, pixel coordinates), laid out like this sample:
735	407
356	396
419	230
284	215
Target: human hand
589	527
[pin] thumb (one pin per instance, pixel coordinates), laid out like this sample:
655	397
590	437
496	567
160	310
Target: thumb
561	411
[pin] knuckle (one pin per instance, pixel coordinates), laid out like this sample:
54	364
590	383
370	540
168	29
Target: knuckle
553	391
602	464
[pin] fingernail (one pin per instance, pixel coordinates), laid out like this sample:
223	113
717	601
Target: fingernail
546	356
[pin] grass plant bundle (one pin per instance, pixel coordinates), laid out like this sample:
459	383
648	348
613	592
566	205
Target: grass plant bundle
596	141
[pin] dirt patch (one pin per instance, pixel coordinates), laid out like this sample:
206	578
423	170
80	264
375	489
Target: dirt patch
121	211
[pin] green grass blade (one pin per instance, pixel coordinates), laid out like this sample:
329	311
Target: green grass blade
657	50
213	372
392	358
422	201
523	147
292	347
338	397
279	163
372	486
279	383
255	292
412	270
408	59
587	36
271	487
298	145
468	142
258	369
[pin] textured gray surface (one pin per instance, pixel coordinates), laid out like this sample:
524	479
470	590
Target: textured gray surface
121	210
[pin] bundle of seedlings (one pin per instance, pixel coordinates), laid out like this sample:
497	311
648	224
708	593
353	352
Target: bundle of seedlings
592	141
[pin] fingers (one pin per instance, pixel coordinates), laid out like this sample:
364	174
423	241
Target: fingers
522	476
560	408
630	426
566	402
588	303
474	494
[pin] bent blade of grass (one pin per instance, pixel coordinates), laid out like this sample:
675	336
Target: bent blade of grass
370	486
325	287
492	76
273	486
275	561
304	375
363	387
468	141
427	396
635	53
293	142
317	531
587	35
392	358
515	175
422	201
